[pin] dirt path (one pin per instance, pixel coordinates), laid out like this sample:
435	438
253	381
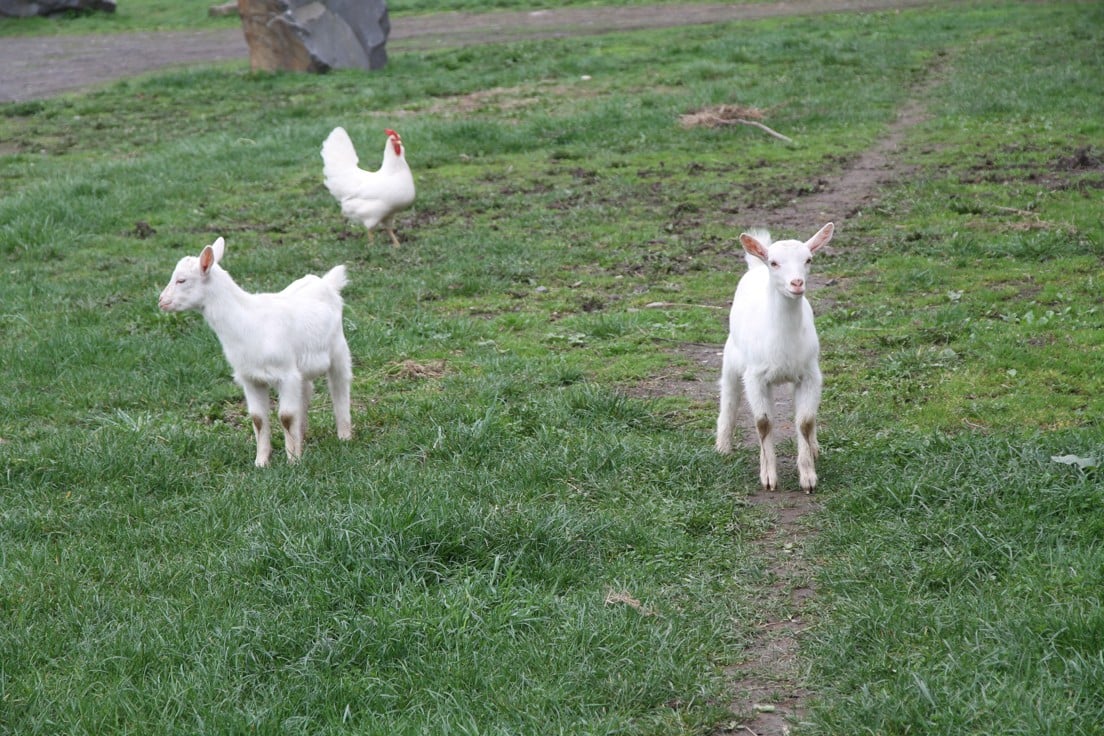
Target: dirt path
767	690
40	67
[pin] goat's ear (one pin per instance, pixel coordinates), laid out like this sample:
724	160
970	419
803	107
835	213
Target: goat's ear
753	246
219	247
206	259
822	237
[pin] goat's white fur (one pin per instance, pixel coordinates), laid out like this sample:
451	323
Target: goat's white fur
772	340
282	341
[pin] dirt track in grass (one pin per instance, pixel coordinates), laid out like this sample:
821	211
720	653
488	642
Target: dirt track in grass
767	689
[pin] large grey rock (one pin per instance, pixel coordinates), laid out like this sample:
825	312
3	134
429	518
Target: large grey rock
29	8
315	35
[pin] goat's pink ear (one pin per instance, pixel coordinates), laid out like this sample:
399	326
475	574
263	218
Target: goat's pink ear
822	237
753	246
206	259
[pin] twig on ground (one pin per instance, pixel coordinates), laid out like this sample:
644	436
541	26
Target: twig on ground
1014	210
759	125
1036	220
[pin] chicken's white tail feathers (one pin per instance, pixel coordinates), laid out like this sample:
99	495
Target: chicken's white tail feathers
764	237
336	278
338	154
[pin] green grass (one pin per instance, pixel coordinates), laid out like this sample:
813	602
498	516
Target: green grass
448	570
971	599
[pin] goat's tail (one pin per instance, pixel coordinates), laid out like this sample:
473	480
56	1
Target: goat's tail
763	237
335	278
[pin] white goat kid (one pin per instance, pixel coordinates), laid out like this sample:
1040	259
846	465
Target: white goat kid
282	341
772	340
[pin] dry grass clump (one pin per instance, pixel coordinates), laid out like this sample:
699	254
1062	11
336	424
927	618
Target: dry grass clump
721	115
412	369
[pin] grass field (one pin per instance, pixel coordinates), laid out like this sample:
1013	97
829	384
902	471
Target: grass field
516	541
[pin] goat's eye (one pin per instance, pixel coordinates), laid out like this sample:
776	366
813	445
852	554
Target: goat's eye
808	261
181	281
774	264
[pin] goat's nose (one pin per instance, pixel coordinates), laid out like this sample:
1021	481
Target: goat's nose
797	283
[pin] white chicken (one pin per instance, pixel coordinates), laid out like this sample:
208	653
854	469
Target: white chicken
369	197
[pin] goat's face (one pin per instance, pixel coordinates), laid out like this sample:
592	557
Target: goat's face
185	289
788	260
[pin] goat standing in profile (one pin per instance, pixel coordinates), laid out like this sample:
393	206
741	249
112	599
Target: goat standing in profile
282	341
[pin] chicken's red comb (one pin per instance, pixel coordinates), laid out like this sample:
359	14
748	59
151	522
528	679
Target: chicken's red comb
390	133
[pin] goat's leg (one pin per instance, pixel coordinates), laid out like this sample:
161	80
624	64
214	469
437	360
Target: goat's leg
731	390
760	400
291	412
256	399
307	393
806	404
340	376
